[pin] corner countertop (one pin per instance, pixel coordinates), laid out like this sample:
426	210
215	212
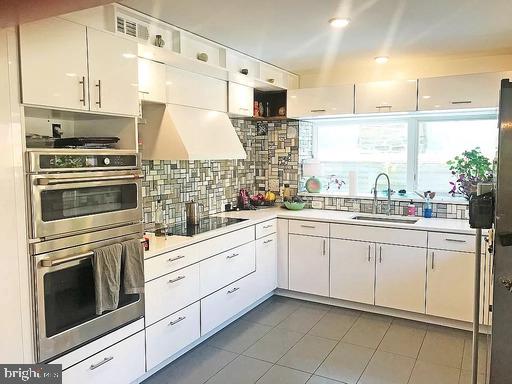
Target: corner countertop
159	245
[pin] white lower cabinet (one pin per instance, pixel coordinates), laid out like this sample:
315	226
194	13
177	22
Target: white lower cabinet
352	272
121	363
309	264
221	270
400	277
450	281
171	292
171	334
227	302
266	264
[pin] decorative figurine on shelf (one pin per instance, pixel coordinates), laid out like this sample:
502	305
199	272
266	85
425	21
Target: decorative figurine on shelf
313	185
334	181
159	42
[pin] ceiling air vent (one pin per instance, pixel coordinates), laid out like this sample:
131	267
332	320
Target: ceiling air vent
132	28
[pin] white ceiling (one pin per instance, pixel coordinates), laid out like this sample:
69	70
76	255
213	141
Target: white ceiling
295	35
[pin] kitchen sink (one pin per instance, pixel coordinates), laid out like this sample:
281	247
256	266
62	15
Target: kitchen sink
386	219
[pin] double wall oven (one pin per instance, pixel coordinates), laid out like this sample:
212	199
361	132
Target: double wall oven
80	200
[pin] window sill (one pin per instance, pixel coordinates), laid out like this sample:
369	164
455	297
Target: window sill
394	197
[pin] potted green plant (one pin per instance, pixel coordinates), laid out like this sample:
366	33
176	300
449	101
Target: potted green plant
471	167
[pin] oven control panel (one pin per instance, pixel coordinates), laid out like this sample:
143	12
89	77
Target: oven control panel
86	161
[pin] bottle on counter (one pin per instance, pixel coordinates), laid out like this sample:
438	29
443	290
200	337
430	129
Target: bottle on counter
411	209
287	194
427	208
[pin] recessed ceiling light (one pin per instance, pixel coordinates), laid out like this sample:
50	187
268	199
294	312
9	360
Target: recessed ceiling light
381	59
338	22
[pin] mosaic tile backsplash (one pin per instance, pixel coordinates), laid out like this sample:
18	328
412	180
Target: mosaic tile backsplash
274	158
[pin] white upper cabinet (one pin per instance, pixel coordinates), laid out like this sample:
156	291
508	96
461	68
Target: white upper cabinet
310	102
66	65
152	81
54	64
241	100
194	90
456	92
386	96
113	73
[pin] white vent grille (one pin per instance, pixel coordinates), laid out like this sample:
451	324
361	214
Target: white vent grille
132	28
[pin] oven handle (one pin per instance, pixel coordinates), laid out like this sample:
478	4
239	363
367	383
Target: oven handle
47	181
48	262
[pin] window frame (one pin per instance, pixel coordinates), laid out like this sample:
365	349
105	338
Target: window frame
413	122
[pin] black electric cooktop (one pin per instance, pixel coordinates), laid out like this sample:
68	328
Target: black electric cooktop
206	224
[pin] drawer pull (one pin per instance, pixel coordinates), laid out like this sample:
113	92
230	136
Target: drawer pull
455	240
104	361
233	255
268	241
267	226
308	226
317	110
174	322
380	254
170	260
233	290
433	257
176	279
369	253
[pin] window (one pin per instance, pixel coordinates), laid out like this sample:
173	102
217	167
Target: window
411	149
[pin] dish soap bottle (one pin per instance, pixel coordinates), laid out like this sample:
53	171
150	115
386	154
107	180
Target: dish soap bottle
427	208
411	209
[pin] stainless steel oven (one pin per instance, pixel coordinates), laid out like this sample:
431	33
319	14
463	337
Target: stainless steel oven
73	192
65	306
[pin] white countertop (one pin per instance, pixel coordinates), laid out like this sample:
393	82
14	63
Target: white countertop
159	245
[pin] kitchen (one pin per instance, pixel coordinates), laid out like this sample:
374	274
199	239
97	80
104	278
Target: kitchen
286	212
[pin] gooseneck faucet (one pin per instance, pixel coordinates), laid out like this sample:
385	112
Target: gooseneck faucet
388	210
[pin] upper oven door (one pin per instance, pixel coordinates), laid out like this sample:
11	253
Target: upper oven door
72	202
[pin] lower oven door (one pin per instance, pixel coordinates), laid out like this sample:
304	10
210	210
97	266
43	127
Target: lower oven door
68	203
66	307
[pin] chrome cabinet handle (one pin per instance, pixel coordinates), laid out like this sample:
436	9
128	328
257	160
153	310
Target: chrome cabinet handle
243	109
384	106
82	82
268	241
176	279
433	257
461	102
104	361
323	247
267	226
233	290
455	240
174	322
317	110
99	93
380	254
232	256
308	226
171	259
369	251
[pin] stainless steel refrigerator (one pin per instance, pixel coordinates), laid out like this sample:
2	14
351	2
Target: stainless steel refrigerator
500	369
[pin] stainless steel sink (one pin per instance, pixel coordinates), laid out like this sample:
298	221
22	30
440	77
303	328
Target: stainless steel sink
386	219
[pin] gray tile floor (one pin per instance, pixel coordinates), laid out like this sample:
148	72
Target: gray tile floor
286	341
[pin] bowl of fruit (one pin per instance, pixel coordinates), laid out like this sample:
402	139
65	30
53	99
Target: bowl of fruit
267	199
294	204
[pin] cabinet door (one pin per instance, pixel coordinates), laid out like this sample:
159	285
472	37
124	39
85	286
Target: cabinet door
113	73
386	96
400	277
194	90
309	264
450	282
456	92
241	99
282	253
352	272
308	102
53	55
151	81
266	264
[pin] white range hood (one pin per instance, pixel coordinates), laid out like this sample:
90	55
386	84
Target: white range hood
176	132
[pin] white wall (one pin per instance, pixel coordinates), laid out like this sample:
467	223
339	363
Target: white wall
358	71
15	307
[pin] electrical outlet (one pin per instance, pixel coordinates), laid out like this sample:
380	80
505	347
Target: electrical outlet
317	204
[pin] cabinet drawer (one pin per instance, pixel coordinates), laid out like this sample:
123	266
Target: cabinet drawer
311	228
171	261
225	303
171	334
222	243
379	235
451	242
121	363
171	292
223	269
266	228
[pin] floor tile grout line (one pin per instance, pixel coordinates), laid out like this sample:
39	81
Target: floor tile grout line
224	366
